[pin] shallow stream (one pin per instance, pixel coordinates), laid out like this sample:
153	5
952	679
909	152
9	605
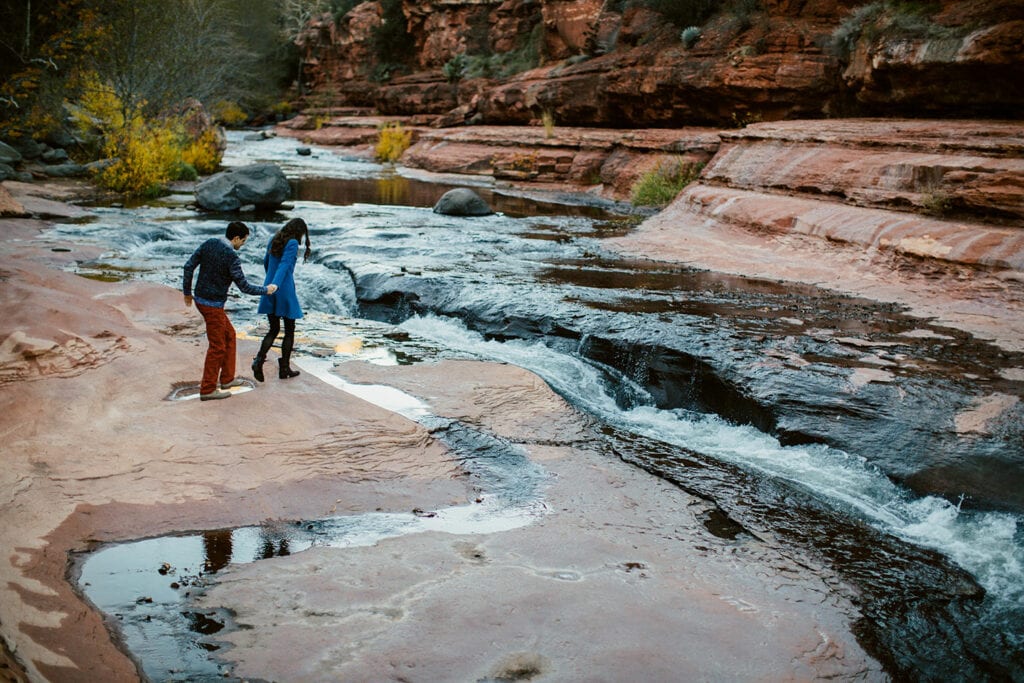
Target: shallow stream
736	390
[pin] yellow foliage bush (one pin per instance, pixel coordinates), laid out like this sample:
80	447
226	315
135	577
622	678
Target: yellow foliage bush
146	156
203	154
98	106
229	113
283	108
547	119
392	142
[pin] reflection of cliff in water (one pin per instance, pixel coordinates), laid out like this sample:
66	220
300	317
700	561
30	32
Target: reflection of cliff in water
395	190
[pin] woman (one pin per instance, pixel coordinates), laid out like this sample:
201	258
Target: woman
279	262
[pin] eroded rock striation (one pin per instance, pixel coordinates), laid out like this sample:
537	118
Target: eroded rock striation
619	64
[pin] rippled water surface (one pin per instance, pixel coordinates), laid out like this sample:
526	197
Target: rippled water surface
372	226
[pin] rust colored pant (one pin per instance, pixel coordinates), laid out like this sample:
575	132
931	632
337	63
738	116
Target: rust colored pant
220	355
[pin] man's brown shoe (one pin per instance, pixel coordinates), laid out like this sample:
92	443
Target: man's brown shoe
214	395
236	382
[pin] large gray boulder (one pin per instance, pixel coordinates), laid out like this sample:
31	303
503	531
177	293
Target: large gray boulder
263	185
462	202
9	155
68	170
29	148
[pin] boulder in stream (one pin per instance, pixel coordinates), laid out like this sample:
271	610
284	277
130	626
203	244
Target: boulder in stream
462	202
263	185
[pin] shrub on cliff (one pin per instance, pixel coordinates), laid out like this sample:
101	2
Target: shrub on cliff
661	185
690	36
884	18
455	68
526	56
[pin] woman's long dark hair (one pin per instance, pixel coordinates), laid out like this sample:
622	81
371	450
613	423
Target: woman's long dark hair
294	229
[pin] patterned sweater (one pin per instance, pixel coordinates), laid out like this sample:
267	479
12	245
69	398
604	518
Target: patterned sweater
219	266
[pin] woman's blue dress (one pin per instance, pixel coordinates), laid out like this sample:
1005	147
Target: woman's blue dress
281	271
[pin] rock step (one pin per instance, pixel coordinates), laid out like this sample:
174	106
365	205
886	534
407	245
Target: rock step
582	156
975	244
997	138
963	169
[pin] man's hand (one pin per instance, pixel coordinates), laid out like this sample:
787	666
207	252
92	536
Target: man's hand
188	301
271	289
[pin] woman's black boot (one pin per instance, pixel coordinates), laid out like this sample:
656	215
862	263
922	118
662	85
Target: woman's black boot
257	366
284	371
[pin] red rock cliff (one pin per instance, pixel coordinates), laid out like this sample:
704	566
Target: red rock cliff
619	64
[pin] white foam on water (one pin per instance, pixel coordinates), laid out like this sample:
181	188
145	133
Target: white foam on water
986	544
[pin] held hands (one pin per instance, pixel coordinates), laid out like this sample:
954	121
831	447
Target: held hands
271	289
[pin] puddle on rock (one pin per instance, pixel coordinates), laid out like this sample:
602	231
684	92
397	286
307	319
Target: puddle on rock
145	587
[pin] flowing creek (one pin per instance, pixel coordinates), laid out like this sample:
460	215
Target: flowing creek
776	402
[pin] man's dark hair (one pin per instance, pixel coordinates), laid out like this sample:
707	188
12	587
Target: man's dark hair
236	229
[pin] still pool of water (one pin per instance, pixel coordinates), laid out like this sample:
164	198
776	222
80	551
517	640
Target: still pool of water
371	225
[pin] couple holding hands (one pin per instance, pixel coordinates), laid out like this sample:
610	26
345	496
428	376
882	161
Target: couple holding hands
219	266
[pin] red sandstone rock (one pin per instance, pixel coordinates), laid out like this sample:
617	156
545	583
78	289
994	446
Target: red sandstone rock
584	157
350	48
772	64
9	206
972	169
93	454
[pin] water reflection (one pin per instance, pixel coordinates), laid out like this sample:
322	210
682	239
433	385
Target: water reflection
273	544
216	549
391	189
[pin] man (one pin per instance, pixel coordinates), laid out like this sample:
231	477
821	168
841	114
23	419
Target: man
219	266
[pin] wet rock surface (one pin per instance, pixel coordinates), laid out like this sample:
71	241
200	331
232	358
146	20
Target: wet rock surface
117	468
94	454
537	598
899	360
809	367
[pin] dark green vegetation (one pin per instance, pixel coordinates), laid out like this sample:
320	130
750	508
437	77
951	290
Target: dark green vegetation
870	21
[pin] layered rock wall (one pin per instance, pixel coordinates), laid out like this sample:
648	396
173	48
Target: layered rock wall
942	190
780	59
606	161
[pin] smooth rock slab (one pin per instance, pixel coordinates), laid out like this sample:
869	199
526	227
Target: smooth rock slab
594	591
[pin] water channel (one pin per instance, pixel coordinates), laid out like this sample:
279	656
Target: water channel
658	355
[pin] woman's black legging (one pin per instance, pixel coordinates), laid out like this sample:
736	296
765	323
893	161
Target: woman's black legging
289	337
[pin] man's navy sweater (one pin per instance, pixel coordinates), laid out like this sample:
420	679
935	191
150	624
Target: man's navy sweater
219	266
